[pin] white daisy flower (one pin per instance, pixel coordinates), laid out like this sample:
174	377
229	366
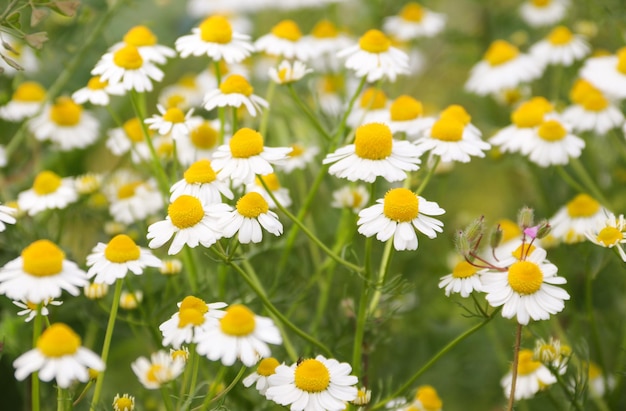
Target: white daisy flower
25	102
610	234
539	13
560	47
532	376
7	216
406	116
598	382
426	399
281	193
59	356
184	94
464	279
129	137
145	41
95	291
324	42
553	144
414	21
29	310
352	197
248	217
528	290
288	72
97	92
123	403
172	120
581	215
234	91
266	368
126	66
374	57
317	384
607	74
374	153
193	317
190	222
65	124
182	353
240	335
284	40
215	38
41	273
130	300
398	215
502	67
88	183
329	88
112	261
159	370
49	191
201	181
20	53
591	110
298	158
363	396
201	142
373	107
245	156
131	198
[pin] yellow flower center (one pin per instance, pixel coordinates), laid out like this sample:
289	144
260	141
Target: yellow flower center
65	112
236	84
165	149
186	211
594	101
373	99
332	84
239	321
582	206
189	316
405	108
288	30
312	376
594	371
180	355
528	115
542	102
373	141
296	150
525	277
216	29
610	236
42	258
579	91
153	373
551	130
324	29
374	41
58	340
401	204
412	12
175	100
94	83
463	269
541	3
127	190
128	58
457	112
246	143
357	198
140	36
123	404
499	52
121	249
523	251
267	366
525	363
429	398
560	35
133	130
252	205
510	230
204	136
194	303
174	115
271	180
29	91
447	129
200	172
621	60
46	183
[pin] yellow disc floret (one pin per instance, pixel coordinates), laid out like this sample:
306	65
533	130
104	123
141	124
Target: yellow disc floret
374	41
174	115
312	376
610	236
510	230
373	99
200	172
405	108
42	258
429	398
186	211
457	112
579	91
525	277
288	30
252	205
216	29
95	83
133	130
204	136
236	84
412	12
621	60
271	180
527	115
324	29
246	143
583	205
140	36
127	190
526	363
595	101
447	129
267	366
65	112
560	35
238	321
46	183
194	303
552	130
500	52
29	91
58	340
464	269
190	316
128	58
373	141
401	205
121	249
523	251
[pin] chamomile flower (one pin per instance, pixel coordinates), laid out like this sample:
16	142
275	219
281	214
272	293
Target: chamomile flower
374	153
130	300
266	368
414	21
95	291
132	198
146	43
201	181
464	279
329	88
171	266
352	197
172	120
398	215
532	376
406	116
25	102
314	384
201	142
363	396
539	13
298	158
284	40
127	67
40	273
65	124
125	402
528	290
215	38
184	94
579	216
188	324
592	110
242	335
281	193
610	234
560	47
607	74
129	137
97	92
502	67
19	53
160	369
325	40
288	72
372	107
426	399
553	144
7	216
189	222
182	353
49	192
235	91
374	57
29	310
245	156
58	355
112	261
598	383
250	214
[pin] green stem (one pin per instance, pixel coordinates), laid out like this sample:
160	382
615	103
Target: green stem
588	181
313	120
167	400
107	343
428	176
212	388
342	124
191	268
593	325
361	315
265	117
516	348
35	376
210	398
565	387
382	273
235	119
569	179
194	370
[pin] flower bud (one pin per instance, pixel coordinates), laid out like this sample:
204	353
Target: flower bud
526	217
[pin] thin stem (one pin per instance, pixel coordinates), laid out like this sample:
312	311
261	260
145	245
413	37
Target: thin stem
235	120
107	343
191	268
382	273
269	96
428	176
565	387
312	119
35	376
595	334
518	343
569	179
225	391
361	316
588	181
344	119
167	400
